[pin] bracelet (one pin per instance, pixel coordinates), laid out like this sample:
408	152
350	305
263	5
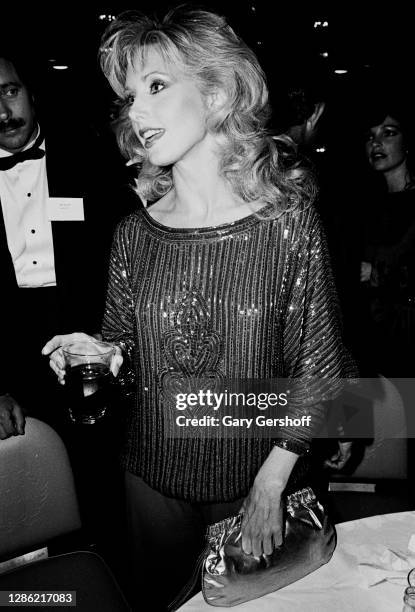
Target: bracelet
299	448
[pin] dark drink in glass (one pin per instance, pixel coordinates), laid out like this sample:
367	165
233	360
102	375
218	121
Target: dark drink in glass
88	391
88	378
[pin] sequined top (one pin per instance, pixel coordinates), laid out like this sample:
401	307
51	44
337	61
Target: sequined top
252	299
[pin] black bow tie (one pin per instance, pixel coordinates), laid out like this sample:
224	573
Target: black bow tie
32	153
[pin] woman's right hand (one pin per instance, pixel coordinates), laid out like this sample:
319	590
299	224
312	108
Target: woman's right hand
53	348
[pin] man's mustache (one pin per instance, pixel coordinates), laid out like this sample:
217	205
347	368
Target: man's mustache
11	124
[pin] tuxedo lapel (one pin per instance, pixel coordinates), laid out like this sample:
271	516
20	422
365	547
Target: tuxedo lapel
65	172
77	244
65	168
7	274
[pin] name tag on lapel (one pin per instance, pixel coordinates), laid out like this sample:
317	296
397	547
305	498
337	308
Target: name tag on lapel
66	209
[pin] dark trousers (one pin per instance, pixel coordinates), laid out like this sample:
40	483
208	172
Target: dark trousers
166	536
35	320
93	449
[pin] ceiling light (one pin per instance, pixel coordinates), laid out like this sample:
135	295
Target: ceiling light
105	17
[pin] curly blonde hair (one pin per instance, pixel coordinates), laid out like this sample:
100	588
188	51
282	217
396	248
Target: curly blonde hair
206	48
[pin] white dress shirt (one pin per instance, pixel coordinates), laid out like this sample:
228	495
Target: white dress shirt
24	196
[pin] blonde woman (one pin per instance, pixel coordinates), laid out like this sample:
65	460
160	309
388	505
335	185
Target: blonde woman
224	275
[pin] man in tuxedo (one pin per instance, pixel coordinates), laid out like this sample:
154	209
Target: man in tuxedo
57	216
62	191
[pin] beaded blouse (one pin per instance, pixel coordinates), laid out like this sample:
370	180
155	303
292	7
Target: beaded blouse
252	299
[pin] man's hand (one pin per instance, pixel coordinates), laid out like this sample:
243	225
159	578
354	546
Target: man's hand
341	457
12	419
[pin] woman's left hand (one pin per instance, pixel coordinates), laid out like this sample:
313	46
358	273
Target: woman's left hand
262	526
262	521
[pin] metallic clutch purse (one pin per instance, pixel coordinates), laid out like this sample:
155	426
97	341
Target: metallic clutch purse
230	577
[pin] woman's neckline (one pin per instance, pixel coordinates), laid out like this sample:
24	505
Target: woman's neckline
238	224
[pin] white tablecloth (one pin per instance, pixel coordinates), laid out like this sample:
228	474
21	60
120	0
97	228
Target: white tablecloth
342	584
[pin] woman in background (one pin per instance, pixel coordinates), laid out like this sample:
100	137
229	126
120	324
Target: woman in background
388	266
224	275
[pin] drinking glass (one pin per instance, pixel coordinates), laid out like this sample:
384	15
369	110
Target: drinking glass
88	376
